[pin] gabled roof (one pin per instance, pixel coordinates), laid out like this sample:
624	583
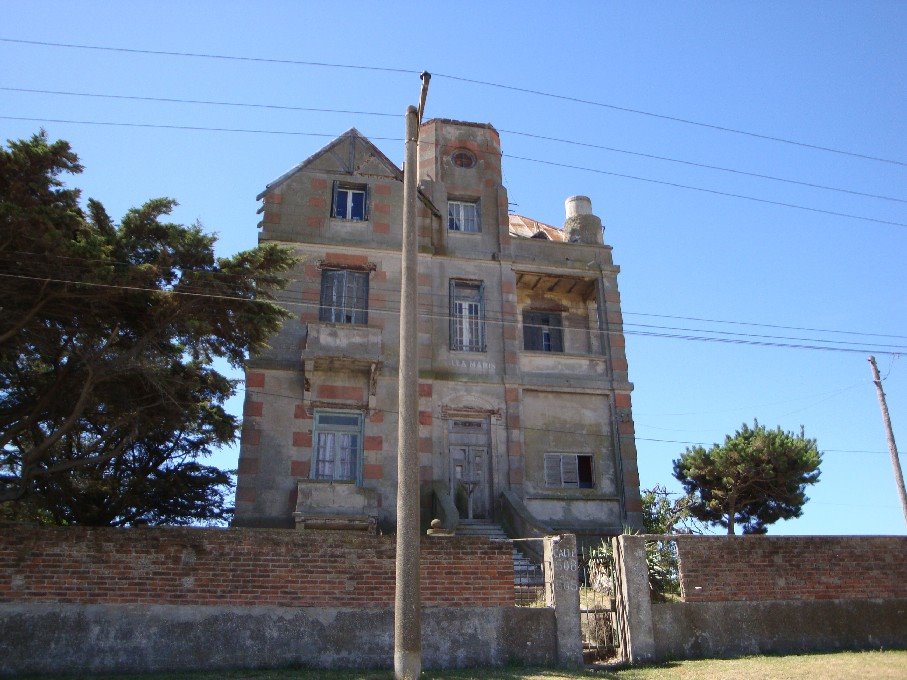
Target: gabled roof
526	227
350	137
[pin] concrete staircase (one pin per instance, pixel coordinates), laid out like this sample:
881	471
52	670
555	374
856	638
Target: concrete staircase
525	573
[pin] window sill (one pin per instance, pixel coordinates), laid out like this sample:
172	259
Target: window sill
554	494
343	220
309	480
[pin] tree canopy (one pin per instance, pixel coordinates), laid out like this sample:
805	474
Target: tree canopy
108	394
755	478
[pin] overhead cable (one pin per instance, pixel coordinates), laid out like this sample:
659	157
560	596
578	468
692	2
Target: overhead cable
473	81
528	135
676	185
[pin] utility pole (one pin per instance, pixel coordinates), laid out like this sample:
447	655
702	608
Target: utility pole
407	604
892	447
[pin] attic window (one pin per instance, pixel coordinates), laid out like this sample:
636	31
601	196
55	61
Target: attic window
541	235
350	201
463	159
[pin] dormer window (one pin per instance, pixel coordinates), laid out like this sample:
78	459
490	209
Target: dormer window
463	216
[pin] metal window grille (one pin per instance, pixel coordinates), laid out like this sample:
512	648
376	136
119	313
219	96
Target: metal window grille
463	216
344	296
467	317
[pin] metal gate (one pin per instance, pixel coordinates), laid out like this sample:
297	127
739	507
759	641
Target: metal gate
601	608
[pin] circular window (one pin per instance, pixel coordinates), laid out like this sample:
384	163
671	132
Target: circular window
463	158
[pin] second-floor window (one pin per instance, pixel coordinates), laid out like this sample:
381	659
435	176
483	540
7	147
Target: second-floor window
344	296
467	316
543	332
569	470
463	216
350	202
337	446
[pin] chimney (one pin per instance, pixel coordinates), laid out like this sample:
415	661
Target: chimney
581	226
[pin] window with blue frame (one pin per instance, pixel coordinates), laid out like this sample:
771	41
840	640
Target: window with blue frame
350	202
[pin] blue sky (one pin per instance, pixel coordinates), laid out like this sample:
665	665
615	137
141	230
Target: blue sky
829	74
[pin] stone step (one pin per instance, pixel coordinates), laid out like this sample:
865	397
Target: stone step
525	572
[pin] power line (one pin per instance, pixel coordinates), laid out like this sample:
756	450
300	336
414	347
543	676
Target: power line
265	60
675	119
676	185
514	319
703	165
298	399
196	128
708	191
208	102
440	312
764	325
510	132
736	341
473	81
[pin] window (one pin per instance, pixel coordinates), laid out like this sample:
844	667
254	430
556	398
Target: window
463	159
542	331
344	296
350	201
571	470
337	446
467	316
463	216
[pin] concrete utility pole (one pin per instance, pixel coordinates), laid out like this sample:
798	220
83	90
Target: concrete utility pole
892	447
407	604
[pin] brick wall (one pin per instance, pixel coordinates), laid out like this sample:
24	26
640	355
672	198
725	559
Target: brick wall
761	568
241	567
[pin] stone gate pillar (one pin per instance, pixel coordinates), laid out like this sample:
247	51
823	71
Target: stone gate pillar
562	593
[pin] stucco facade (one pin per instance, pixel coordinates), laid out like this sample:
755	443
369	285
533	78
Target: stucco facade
524	399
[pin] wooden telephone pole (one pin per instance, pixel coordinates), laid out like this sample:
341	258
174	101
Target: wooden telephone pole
892	447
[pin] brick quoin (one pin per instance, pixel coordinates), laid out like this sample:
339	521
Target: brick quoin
248	466
250	436
622	400
255	379
318	202
300	468
242	567
318	184
299	411
373	471
381	227
382	208
373	443
253	408
383	189
302	439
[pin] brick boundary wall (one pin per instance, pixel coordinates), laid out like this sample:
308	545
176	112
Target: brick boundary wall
768	568
246	567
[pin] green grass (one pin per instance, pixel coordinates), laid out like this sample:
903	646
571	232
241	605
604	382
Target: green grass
864	665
